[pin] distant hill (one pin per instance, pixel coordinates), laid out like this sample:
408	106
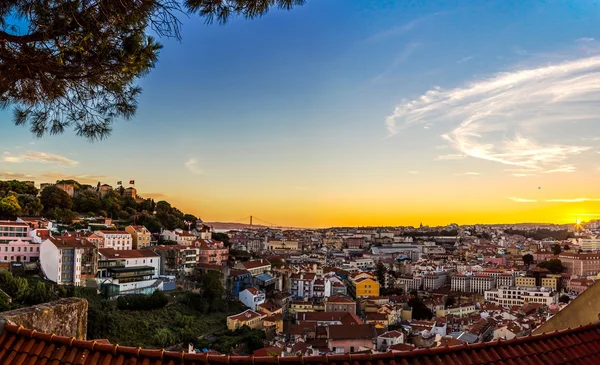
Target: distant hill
232	226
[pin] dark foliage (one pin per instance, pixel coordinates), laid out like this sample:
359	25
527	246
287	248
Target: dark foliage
542	233
419	309
74	64
554	265
155	300
442	233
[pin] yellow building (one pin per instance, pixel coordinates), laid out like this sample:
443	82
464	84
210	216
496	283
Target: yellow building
550	282
366	287
275	320
140	235
524	281
299	306
274	244
248	318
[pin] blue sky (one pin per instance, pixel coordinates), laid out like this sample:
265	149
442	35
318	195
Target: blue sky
291	117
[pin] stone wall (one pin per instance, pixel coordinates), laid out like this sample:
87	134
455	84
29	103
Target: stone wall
584	309
65	317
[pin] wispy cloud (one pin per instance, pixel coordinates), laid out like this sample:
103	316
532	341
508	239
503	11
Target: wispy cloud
468	173
451	156
153	195
15	175
464	59
192	166
500	118
584	39
84	179
521	200
574	200
400	29
413	172
41	157
406	52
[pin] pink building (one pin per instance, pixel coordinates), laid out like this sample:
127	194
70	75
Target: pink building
343	339
579	285
16	243
496	260
211	252
580	264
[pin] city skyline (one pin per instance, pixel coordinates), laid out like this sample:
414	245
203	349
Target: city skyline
385	114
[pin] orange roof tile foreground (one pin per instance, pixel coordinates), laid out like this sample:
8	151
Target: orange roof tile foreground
573	346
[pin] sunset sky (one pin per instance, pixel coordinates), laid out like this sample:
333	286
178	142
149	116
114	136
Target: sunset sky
347	112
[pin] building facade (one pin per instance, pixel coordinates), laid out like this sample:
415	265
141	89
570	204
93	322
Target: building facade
140	236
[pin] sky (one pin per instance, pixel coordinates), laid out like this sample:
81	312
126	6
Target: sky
358	112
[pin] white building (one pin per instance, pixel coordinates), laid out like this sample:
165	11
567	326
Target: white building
390	338
362	263
505	279
515	295
134	271
589	244
252	298
118	240
460	283
68	260
180	236
434	281
408	283
482	282
302	285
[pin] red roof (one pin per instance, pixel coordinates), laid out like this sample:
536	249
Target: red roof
111	253
572	346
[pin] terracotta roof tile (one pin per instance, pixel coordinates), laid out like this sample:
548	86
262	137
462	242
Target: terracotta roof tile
573	346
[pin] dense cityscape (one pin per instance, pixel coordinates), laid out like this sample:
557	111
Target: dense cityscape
418	182
300	291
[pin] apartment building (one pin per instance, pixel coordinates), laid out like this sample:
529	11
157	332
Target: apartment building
68	260
129	271
408	283
176	259
522	281
211	251
179	236
460	283
16	243
434	281
118	240
140	236
580	264
340	304
515	295
505	279
482	282
302	285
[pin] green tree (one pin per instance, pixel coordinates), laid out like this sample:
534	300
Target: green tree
380	272
554	265
74	64
212	286
87	201
30	205
528	259
556	249
564	299
164	337
9	207
53	197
